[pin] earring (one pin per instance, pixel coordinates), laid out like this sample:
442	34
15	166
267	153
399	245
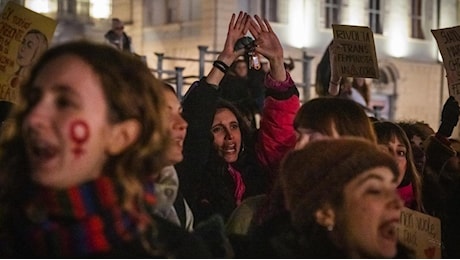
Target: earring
330	227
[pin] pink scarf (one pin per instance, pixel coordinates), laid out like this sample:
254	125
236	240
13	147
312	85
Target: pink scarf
407	194
240	188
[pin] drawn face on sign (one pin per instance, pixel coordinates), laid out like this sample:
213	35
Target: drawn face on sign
32	46
67	131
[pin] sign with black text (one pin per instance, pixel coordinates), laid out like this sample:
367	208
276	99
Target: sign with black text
448	40
24	36
357	56
421	233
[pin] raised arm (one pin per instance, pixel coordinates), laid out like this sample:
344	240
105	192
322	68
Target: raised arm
237	28
199	106
334	82
276	132
268	45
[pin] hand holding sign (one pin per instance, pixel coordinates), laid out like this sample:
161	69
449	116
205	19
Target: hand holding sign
334	84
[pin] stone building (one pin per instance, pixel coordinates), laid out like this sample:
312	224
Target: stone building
412	84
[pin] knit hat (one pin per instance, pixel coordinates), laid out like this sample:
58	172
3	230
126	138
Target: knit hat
318	173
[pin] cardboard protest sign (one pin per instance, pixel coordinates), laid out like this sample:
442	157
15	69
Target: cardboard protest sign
24	36
421	233
448	40
357	57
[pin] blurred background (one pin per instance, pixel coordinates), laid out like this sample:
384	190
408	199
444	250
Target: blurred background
179	39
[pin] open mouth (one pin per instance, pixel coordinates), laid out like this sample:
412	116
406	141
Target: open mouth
229	149
41	151
179	142
388	231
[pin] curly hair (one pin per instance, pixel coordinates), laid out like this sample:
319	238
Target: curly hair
130	90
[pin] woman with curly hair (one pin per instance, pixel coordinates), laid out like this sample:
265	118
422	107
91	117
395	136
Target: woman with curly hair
86	133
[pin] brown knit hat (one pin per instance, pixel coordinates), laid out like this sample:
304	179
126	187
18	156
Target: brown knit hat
319	172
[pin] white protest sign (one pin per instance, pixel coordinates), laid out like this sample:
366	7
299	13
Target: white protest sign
421	233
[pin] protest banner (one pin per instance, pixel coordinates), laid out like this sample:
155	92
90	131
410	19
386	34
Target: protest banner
421	233
24	36
448	40
357	56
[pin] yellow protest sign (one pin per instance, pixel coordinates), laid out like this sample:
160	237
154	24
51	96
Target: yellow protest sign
448	40
357	56
24	36
421	233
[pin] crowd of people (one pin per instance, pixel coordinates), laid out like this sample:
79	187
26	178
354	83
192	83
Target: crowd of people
101	159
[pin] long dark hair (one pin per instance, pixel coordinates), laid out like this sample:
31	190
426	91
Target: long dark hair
386	131
247	135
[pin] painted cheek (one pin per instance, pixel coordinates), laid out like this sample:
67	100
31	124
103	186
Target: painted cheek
79	134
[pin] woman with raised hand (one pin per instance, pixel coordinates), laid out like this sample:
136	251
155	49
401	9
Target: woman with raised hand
223	162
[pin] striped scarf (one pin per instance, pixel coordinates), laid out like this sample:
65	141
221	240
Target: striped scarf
85	220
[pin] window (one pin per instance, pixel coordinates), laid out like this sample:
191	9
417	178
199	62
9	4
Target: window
123	10
269	10
159	12
42	6
100	8
178	11
148	16
332	13
67	7
375	16
81	9
172	12
416	19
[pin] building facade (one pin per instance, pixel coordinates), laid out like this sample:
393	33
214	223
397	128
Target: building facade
412	85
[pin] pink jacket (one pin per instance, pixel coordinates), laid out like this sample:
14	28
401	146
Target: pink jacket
276	133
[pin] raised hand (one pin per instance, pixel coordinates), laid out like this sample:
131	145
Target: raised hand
449	117
236	30
334	83
268	45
